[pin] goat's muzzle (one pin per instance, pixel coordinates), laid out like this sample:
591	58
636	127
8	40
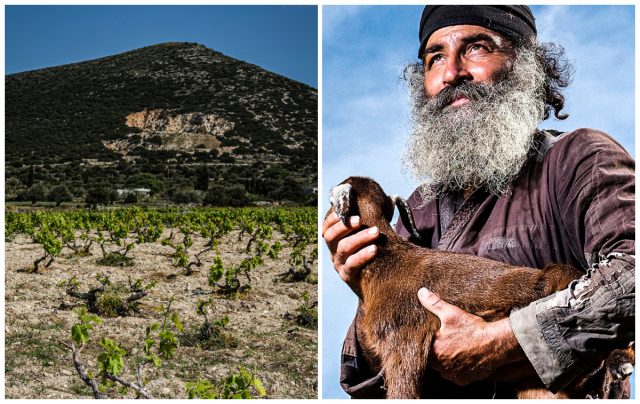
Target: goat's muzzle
341	199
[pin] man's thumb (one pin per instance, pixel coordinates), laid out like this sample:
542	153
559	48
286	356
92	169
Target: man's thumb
434	303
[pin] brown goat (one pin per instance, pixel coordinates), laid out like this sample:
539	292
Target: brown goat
395	331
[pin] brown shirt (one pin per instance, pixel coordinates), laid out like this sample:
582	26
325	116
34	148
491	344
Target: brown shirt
572	203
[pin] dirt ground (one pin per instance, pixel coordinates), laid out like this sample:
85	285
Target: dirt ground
282	354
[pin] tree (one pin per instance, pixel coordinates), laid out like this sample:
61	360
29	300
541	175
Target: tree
145	180
99	195
186	196
276	172
12	186
216	196
292	190
202	179
220	195
30	177
113	196
238	195
131	197
59	194
37	192
227	158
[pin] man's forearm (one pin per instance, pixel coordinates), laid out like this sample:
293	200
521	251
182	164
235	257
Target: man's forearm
507	348
466	348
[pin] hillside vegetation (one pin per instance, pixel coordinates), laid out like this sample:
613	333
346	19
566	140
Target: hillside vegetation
179	119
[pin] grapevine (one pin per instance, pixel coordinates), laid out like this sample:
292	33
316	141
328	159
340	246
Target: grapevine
244	250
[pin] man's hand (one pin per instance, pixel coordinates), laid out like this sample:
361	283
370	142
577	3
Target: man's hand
349	250
467	348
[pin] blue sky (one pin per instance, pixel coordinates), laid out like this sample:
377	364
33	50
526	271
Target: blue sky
282	39
365	109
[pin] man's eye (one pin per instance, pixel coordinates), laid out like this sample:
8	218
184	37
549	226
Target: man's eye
477	48
434	59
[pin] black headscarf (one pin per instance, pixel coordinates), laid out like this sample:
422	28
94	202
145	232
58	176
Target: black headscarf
515	22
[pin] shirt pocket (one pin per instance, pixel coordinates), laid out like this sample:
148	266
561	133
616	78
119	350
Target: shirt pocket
523	244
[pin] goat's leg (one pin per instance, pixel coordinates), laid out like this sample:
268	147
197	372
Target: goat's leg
620	363
618	368
401	379
404	361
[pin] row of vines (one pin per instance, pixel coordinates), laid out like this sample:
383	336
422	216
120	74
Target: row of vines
189	241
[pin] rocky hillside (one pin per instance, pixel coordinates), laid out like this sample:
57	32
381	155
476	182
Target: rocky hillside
179	115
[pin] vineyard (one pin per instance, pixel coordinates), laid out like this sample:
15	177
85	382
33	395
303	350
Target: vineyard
161	303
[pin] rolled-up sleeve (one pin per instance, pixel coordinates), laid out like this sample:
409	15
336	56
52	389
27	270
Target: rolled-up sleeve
573	329
593	186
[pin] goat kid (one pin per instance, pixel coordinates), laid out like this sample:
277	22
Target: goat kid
396	332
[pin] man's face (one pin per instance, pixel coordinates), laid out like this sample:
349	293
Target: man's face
463	53
476	104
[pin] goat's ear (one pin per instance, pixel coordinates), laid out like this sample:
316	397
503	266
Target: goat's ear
388	207
406	216
343	201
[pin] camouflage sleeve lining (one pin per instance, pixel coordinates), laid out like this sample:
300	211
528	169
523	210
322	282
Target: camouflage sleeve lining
573	329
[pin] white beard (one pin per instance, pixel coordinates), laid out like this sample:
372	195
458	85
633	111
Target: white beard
483	143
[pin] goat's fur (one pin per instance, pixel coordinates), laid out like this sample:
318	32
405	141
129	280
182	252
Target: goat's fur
395	331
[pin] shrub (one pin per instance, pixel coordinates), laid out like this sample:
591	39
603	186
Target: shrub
109	300
180	197
227	158
232	285
115	259
59	194
131	197
210	335
306	314
99	195
239	385
36	192
145	180
159	344
219	195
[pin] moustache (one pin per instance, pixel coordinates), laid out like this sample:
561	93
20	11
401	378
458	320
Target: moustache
470	90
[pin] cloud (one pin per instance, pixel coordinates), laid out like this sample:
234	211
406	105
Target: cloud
334	19
600	45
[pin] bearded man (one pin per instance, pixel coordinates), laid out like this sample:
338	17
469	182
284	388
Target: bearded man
497	187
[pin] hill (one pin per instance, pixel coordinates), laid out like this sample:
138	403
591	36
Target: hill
178	119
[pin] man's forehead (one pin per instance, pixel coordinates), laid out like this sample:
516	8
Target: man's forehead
461	32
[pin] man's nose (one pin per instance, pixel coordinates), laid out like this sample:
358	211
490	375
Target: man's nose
455	72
